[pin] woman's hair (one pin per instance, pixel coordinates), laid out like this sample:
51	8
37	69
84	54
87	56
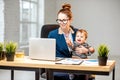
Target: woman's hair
84	32
66	9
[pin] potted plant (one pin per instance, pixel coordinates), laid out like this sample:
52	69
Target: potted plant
2	56
10	49
103	52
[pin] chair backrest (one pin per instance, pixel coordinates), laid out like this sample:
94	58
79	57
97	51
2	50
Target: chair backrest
44	34
47	28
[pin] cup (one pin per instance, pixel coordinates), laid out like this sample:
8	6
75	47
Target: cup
19	54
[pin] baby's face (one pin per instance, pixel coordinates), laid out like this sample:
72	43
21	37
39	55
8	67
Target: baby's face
80	38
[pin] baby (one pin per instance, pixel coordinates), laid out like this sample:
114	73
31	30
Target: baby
80	42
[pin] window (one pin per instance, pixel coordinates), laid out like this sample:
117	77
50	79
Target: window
28	20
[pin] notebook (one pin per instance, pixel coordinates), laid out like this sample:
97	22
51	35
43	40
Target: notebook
42	49
70	61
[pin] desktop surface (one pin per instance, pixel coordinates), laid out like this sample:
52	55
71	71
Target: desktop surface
27	62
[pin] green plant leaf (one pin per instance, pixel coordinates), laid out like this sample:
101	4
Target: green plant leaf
10	47
103	50
1	46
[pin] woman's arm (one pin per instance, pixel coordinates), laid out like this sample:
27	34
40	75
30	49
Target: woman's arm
83	50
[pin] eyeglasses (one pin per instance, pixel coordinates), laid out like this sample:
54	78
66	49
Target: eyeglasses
64	21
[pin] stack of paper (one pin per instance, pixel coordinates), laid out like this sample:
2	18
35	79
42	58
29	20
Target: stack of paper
70	61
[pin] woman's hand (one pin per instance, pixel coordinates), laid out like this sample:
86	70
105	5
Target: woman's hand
81	50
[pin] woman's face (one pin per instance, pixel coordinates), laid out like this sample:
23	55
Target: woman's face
63	21
80	38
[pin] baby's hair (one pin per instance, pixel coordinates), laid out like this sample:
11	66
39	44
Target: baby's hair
83	31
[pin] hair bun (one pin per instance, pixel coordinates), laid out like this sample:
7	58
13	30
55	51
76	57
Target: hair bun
66	6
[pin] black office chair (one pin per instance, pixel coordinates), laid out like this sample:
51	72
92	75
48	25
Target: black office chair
47	28
44	34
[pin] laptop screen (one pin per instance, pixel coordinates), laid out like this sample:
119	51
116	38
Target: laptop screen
42	48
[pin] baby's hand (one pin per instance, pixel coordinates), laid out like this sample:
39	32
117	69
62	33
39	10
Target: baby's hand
68	41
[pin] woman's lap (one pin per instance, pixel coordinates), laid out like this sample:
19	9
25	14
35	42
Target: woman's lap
61	76
65	76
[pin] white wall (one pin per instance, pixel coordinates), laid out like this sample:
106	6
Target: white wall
1	21
11	19
101	18
49	10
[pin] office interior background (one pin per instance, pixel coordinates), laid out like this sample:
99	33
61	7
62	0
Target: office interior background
23	19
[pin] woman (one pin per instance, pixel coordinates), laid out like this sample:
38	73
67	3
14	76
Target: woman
64	34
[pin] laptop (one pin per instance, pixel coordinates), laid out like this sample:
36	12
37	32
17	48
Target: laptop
42	49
